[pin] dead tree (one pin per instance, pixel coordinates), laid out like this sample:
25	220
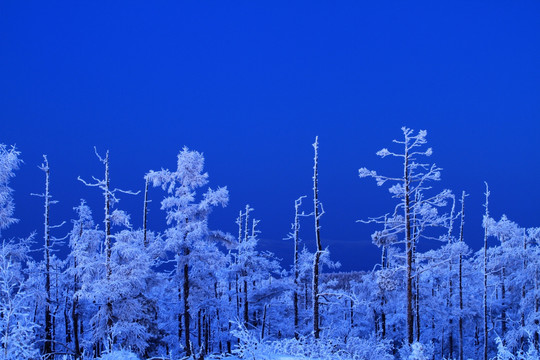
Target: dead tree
461	240
75	308
48	242
295	236
450	303
48	343
244	271
411	183
145	212
317	213
486	219
110	200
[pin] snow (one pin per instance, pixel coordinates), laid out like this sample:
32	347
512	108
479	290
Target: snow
119	355
136	291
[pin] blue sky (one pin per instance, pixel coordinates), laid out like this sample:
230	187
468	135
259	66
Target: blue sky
251	84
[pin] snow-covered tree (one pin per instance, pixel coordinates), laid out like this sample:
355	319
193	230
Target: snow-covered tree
317	213
86	268
104	319
415	211
138	293
48	346
79	245
295	236
485	306
17	328
188	219
9	162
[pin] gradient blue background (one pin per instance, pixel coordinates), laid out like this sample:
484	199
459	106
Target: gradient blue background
250	84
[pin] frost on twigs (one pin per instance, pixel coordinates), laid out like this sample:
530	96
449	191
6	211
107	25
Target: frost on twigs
305	347
17	328
120	217
9	162
364	172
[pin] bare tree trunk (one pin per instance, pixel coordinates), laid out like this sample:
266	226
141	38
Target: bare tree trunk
145	214
383	322
523	292
199	329
246	305
186	304
296	238
180	332
218	318
108	250
75	307
47	348
49	325
237	290
56	308
245	273
503	303
409	245
450	303
417	289
76	344
485	275
229	325
263	322
6	340
306	295
318	253
536	305
66	321
207	335
461	239
442	344
384	263
75	310
416	277
351	313
295	304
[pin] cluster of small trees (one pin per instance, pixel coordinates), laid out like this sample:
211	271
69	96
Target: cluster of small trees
190	291
462	304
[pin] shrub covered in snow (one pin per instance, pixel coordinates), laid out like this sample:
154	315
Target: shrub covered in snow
120	355
416	351
503	353
251	347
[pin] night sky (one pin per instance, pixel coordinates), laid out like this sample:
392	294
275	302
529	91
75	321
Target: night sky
250	84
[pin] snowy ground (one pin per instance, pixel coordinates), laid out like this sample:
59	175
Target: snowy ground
276	357
123	355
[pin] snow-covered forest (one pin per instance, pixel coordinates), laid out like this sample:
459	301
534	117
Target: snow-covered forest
127	291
